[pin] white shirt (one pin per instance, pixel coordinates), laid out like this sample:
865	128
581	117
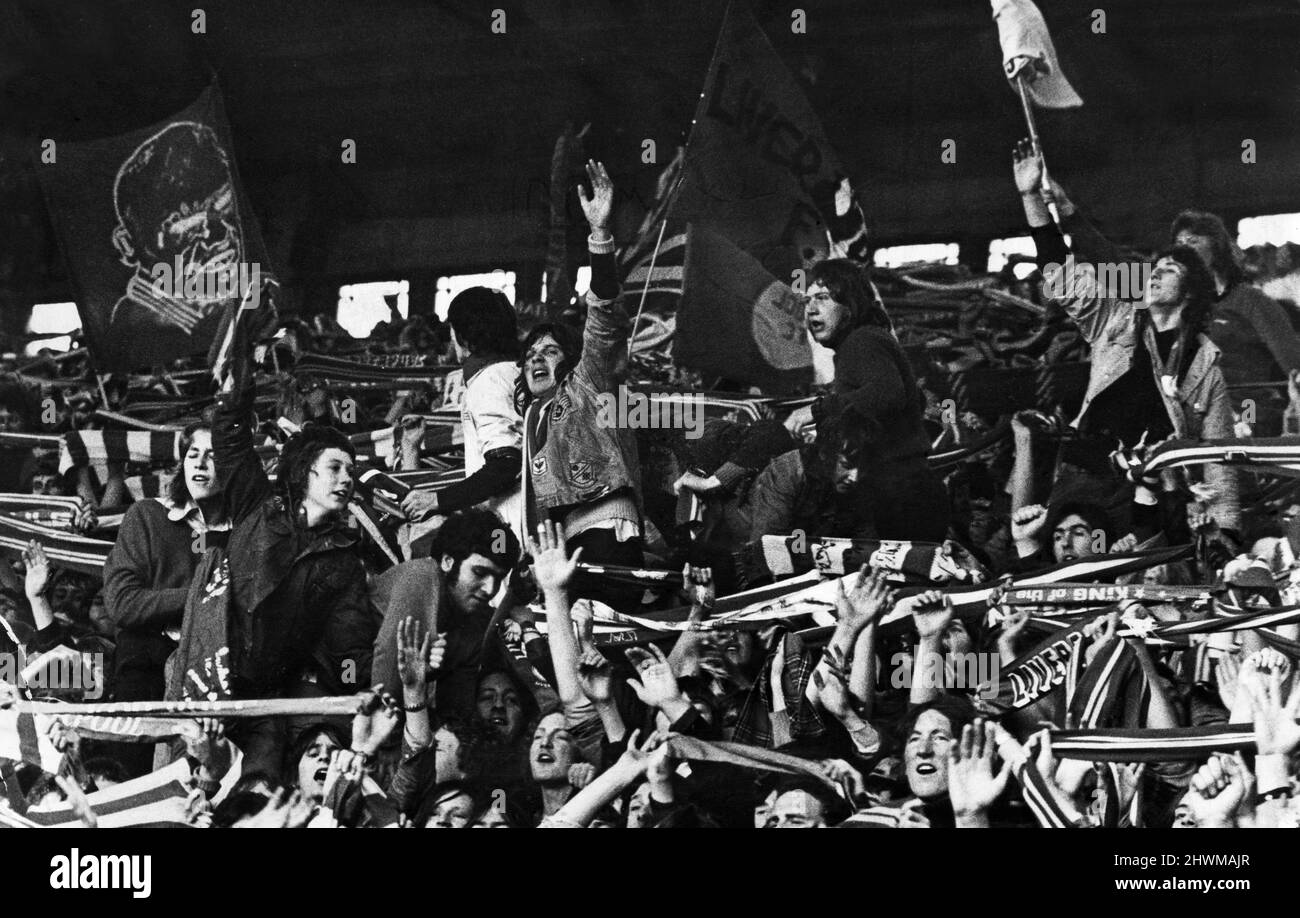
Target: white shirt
490	422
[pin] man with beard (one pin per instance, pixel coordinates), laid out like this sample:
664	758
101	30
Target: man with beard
451	594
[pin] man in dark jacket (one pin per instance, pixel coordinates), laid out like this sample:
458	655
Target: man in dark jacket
299	623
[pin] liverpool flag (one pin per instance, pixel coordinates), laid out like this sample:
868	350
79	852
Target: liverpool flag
758	168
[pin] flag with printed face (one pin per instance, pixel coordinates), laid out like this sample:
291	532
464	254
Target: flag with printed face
158	238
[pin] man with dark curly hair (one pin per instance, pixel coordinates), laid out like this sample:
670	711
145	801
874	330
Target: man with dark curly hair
450	593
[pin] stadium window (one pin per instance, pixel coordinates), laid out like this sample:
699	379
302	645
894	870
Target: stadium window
581	282
453	284
899	256
1277	229
1000	249
363	306
55	320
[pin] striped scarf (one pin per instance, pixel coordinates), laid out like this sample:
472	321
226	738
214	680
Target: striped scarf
949	562
1180	744
99	448
156	800
66	549
1274	455
338	370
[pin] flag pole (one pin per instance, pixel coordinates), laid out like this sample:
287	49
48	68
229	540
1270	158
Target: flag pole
1022	85
645	291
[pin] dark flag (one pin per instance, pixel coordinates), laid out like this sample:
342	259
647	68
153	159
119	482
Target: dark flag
737	320
758	167
158	238
758	184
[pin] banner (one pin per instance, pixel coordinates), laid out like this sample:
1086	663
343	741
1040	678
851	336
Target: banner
737	321
157	235
758	168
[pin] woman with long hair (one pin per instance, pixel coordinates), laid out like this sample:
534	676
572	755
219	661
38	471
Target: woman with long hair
147	575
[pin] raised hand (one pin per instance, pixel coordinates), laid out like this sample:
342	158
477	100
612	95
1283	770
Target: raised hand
931	612
1099	631
1220	791
63	738
833	694
1276	730
1066	775
344	767
637	758
207	744
1266	661
413	649
599	204
581	774
658	685
38	569
552	566
660	765
374	723
1027	523
1027	167
973	783
1227	673
865	601
596	676
1012	627
84	519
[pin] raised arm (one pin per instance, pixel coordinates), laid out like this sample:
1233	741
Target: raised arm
553	569
605	789
605	335
932	612
244	484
